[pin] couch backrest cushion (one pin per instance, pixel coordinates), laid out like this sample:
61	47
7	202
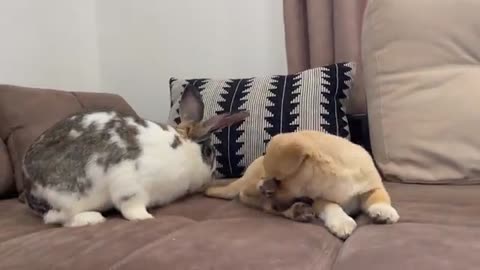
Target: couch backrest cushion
422	74
26	112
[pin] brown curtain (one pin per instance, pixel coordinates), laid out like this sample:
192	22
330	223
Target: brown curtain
321	32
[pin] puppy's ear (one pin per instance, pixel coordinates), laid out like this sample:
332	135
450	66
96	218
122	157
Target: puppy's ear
284	156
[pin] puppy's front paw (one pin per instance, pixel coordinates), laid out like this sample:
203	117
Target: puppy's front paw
302	212
341	226
383	213
267	187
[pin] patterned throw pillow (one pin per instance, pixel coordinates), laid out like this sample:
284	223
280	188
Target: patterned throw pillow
312	99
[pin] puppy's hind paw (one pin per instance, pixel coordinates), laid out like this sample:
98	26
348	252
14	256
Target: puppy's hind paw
303	212
383	213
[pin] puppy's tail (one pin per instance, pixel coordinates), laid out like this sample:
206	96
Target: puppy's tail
228	192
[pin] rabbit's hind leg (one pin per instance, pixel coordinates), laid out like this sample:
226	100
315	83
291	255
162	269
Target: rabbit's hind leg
130	199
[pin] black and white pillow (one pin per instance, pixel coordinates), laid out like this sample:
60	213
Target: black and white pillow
312	99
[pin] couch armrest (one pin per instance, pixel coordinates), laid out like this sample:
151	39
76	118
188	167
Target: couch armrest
26	112
109	101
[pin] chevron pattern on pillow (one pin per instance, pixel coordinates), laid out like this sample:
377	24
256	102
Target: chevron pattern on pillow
312	99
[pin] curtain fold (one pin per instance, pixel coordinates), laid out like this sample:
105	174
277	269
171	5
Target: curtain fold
322	32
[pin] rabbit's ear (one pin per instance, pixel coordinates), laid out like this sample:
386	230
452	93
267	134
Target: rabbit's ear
203	130
191	105
224	120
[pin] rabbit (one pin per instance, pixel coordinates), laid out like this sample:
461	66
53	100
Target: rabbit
339	176
95	161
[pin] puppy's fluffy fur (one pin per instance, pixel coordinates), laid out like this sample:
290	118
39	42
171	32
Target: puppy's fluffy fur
337	174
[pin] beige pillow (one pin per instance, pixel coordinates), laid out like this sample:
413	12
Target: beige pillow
422	75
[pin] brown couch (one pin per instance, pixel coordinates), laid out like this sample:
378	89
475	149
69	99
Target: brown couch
439	226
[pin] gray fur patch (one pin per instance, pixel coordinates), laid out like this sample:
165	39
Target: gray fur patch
176	142
58	161
208	153
114	153
38	205
140	121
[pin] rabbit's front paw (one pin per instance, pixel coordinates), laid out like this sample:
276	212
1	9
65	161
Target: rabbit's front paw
85	218
383	213
136	213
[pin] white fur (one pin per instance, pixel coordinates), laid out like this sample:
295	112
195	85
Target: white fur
114	137
85	218
99	119
74	133
157	177
383	211
337	221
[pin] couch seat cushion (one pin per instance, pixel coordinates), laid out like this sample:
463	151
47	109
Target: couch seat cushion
411	246
437	204
193	233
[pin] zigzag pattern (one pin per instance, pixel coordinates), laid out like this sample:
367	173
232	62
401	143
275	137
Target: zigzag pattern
282	105
312	99
229	145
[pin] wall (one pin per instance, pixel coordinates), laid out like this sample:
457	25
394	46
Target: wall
133	47
143	43
49	43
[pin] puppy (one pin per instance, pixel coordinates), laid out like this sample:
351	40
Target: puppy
338	175
252	190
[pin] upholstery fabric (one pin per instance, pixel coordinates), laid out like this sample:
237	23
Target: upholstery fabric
204	233
7	183
421	64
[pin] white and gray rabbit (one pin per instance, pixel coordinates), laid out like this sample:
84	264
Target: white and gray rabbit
91	162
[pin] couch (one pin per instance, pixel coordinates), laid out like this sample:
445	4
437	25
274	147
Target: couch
439	225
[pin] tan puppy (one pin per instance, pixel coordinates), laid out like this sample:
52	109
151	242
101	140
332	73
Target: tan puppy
250	189
337	174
